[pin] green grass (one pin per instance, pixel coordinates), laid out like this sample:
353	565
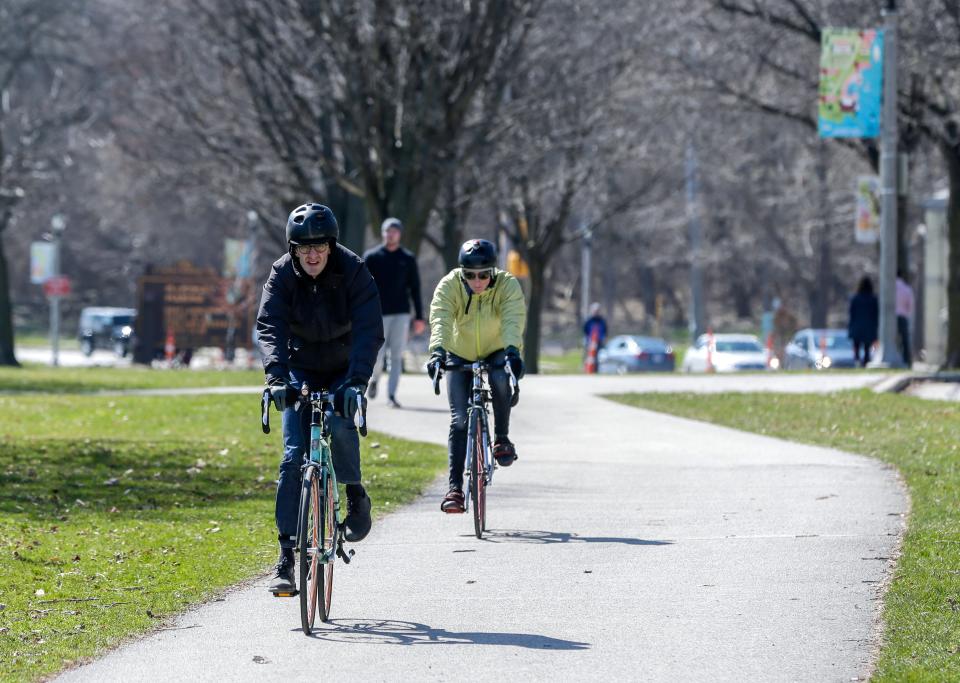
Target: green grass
44	378
128	509
921	639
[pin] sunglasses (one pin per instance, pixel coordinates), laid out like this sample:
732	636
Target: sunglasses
477	275
304	249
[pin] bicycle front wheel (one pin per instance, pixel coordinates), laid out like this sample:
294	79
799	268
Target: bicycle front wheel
478	487
328	540
310	548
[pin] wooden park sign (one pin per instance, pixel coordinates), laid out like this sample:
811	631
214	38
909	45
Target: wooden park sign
192	304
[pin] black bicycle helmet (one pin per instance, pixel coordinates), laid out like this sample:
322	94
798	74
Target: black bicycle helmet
312	223
477	254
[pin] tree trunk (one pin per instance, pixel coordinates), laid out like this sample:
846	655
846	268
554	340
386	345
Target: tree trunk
951	155
531	336
7	356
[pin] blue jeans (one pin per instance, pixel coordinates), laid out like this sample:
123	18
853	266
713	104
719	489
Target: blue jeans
459	387
344	447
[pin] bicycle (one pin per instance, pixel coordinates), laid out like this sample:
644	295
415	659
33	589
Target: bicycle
320	531
479	464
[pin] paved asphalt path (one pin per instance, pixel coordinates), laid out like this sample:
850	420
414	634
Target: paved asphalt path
624	544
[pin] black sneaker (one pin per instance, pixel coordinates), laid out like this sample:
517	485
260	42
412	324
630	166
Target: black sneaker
372	389
392	402
358	520
284	581
453	502
504	452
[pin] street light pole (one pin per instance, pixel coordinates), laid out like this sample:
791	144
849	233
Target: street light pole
585	253
57	224
888	191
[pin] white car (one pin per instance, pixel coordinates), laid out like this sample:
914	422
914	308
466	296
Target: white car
725	353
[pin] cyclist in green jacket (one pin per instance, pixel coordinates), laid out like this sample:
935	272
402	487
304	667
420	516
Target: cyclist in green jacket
477	312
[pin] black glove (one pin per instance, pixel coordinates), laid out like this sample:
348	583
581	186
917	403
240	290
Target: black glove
512	358
278	393
277	379
277	374
437	359
346	397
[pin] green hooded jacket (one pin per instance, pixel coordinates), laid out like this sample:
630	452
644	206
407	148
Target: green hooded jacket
475	325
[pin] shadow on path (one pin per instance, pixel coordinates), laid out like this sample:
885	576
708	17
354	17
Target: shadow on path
546	537
364	631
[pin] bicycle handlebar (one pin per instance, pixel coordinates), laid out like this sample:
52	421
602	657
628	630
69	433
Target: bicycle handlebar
484	365
304	395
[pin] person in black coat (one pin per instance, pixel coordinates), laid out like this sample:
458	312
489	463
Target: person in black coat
319	322
864	320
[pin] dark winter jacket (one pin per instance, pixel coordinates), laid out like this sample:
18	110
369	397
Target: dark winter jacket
398	279
864	318
331	325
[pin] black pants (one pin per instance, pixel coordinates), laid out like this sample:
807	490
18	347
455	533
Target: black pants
459	385
857	344
903	332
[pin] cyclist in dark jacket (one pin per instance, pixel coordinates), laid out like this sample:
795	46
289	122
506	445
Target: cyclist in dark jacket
319	322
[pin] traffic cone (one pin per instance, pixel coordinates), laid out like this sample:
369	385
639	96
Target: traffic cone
169	347
710	348
590	366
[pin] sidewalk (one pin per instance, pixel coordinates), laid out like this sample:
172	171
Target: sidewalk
625	544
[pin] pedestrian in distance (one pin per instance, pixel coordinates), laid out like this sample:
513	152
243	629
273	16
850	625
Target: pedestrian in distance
864	319
596	323
477	311
395	271
319	322
904	306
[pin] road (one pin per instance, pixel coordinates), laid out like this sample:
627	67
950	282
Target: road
70	358
624	544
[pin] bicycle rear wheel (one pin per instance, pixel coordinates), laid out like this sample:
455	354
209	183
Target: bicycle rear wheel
308	544
478	488
328	540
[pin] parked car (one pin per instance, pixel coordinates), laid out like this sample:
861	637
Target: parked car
632	353
730	353
819	349
106	327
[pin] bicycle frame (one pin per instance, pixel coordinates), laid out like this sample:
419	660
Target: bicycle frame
479	404
321	409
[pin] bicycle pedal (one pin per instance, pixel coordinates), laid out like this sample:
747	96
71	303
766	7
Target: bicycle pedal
286	594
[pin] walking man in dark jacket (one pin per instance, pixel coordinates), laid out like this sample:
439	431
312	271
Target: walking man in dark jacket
395	271
319	322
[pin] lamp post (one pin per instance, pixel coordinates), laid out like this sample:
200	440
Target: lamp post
586	246
57	225
888	191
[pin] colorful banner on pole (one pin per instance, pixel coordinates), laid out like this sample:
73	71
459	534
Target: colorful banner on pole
851	83
867	227
42	262
236	258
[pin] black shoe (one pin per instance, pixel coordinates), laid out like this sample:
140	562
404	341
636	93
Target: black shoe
453	502
284	581
372	389
358	520
504	452
392	402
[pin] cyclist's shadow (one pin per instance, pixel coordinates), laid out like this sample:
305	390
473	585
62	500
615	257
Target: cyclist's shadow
550	537
389	632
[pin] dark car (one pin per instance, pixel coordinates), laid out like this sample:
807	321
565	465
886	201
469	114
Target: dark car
632	353
106	327
819	349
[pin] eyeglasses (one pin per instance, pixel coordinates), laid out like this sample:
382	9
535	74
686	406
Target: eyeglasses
475	275
304	249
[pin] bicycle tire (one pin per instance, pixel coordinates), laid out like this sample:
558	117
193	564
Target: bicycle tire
328	540
309	547
477	487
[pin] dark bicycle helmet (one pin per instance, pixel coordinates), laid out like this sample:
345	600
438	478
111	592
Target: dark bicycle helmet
312	223
477	254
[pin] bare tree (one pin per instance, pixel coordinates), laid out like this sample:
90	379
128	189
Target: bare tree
46	87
